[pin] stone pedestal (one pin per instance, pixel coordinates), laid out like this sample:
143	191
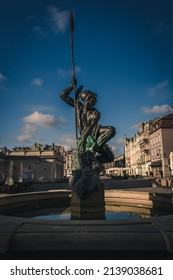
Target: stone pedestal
90	208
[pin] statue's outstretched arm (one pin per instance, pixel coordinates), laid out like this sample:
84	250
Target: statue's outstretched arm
65	96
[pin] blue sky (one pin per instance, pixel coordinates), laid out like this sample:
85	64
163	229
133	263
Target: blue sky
123	52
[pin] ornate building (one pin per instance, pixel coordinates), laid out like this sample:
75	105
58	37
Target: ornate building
39	163
149	151
133	154
161	145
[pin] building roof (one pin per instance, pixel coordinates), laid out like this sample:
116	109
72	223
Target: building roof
162	123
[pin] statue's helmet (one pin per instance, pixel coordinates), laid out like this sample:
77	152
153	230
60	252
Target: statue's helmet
86	94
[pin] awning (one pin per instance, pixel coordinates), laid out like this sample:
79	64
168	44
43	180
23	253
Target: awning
156	163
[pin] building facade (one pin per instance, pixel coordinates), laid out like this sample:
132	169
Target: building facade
161	145
70	162
39	163
149	151
135	159
144	144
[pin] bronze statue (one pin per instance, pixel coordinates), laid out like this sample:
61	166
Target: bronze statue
92	149
93	137
91	142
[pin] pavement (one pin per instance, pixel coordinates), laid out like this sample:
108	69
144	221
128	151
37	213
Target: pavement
142	185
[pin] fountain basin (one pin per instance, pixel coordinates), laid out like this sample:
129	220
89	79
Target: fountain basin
150	204
21	237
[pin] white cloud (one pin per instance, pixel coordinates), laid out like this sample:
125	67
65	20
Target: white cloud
2	78
59	19
62	73
37	82
23	138
36	121
159	88
158	109
40	119
28	131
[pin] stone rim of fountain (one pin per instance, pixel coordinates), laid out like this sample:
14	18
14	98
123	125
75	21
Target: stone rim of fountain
26	235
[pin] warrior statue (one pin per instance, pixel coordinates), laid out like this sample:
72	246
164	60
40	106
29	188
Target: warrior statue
91	142
93	137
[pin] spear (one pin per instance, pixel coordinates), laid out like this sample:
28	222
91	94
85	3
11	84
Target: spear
73	69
